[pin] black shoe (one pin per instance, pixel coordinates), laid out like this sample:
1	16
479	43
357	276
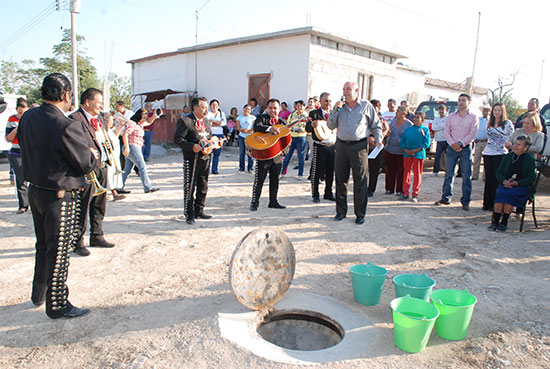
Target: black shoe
493	227
441	202
403	197
82	251
388	192
359	220
339	217
154	189
203	216
38	303
123	191
316	199
276	206
465	207
253	207
370	194
296	167
329	196
502	228
190	221
73	313
309	178
215	172
99	241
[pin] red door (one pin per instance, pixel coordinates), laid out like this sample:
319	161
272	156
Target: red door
258	87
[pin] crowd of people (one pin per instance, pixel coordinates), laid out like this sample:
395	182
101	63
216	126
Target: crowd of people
66	183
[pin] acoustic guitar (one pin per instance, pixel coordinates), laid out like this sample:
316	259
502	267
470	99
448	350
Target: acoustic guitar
265	146
213	143
322	131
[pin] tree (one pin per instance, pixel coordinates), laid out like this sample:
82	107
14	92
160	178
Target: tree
120	89
503	94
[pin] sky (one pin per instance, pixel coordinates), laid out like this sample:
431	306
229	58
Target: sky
438	36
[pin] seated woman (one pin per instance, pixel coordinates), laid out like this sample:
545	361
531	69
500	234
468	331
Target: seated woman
532	128
516	175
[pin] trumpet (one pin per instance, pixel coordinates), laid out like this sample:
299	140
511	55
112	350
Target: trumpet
92	178
108	147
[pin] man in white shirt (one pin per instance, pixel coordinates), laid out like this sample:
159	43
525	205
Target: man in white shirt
390	114
438	126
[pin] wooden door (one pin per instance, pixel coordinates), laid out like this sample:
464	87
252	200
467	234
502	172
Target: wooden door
258	87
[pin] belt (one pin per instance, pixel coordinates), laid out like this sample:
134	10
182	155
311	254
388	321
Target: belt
481	140
60	192
322	144
349	142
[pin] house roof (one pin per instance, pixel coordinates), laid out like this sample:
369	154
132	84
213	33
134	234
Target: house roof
269	36
456	86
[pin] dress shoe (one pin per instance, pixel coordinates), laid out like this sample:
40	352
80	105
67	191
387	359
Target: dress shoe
253	207
38	303
359	220
119	197
316	199
502	227
493	227
370	194
73	313
121	190
276	206
441	202
465	207
99	241
203	216
154	189
339	217
329	196
190	221
82	251
215	172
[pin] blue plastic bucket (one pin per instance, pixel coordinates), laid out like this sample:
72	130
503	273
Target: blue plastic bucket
416	285
367	281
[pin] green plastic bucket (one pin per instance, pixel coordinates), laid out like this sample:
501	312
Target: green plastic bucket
413	321
367	281
415	285
456	308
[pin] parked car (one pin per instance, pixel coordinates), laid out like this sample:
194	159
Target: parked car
545	112
431	109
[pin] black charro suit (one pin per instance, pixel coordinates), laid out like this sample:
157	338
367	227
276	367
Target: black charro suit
94	206
322	158
195	165
56	155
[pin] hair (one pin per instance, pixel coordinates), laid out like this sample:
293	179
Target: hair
403	101
442	106
120	103
105	115
185	106
54	86
299	102
535	100
137	115
89	94
402	109
233	108
422	114
375	102
392	101
275	100
323	95
245	105
213	101
526	139
466	96
535	119
253	99
284	103
22	103
196	101
492	120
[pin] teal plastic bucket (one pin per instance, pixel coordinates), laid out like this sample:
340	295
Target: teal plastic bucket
413	322
456	308
415	285
367	281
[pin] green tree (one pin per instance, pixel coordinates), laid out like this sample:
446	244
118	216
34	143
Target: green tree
502	93
121	89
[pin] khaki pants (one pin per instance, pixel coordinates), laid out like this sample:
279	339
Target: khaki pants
479	147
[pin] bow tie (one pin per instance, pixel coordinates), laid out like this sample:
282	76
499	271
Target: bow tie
273	121
96	124
326	116
199	125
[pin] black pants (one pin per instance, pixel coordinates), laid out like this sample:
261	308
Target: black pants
490	165
354	157
374	170
94	206
56	232
263	167
195	186
322	164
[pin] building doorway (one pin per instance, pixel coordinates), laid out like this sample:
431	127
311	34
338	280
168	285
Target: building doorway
258	87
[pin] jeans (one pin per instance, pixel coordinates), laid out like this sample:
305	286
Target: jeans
298	143
465	157
441	148
136	158
20	184
216	155
242	154
147	141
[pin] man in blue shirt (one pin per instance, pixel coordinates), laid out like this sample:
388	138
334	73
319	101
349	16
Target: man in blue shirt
480	141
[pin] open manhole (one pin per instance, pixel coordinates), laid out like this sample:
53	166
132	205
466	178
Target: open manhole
260	272
300	330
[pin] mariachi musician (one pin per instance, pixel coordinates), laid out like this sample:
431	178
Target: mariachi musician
56	155
93	204
192	131
264	123
322	163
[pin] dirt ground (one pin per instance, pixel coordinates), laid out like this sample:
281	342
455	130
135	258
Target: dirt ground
156	296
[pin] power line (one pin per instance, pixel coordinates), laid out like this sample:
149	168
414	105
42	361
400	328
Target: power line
30	25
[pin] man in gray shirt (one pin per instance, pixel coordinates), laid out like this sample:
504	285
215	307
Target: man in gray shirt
357	124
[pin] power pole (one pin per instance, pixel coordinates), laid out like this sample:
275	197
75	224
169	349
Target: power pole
470	81
540	81
197	38
74	9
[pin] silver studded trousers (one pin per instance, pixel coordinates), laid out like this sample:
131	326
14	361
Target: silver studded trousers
55	226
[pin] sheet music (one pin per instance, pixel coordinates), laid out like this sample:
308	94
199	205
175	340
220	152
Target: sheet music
374	153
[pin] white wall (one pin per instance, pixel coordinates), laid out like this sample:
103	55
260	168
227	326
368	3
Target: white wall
223	72
330	69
